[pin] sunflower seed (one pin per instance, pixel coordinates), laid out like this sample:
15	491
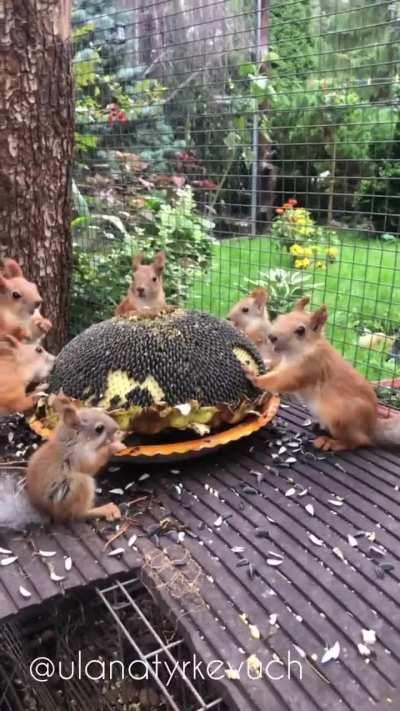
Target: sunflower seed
282	450
331	653
175	471
116	551
47	554
291	460
273	561
335	502
68	563
5	551
254	631
144	477
261	532
56	578
290	492
387	567
116	491
218	522
24	592
300	651
251	571
275	555
364	650
303	493
8	561
132	540
237	549
306	423
338	553
273	618
368	636
250	490
242	562
315	540
310	509
352	541
181	536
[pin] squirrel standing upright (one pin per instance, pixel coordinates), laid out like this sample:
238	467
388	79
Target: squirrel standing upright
343	402
250	315
146	291
60	475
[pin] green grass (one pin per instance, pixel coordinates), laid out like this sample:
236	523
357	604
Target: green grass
361	289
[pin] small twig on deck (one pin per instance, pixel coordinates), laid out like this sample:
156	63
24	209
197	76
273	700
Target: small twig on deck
117	535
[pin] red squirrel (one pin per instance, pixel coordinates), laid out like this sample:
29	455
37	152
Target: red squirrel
250	315
20	365
19	299
343	402
146	290
60	474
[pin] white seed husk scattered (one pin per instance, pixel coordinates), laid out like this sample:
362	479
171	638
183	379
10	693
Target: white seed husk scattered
369	636
8	561
315	540
24	592
331	653
310	509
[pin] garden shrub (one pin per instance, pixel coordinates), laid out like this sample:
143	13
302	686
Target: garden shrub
102	277
307	243
284	287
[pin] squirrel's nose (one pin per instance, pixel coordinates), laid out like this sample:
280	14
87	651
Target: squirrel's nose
272	338
141	291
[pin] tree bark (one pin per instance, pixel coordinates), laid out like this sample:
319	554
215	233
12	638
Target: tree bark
36	149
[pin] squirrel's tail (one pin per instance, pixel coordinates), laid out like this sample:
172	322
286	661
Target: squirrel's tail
387	432
15	508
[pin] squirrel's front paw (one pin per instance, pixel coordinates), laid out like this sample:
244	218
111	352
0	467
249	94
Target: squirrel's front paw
111	512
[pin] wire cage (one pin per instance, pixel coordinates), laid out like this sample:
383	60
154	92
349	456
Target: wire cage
257	142
101	646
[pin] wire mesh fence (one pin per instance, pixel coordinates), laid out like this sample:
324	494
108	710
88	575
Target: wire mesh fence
257	142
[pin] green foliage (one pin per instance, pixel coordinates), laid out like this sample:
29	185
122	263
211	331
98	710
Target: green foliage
98	284
182	233
101	277
380	197
285	287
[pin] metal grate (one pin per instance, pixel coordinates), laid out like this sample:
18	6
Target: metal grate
118	598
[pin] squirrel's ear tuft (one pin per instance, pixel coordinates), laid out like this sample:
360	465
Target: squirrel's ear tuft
301	304
137	260
12	269
260	296
319	318
159	263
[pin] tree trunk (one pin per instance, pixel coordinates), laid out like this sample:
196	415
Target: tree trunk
36	147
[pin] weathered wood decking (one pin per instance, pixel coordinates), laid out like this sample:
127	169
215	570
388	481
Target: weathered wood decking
306	585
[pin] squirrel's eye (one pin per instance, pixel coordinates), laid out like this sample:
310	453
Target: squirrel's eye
245	309
300	331
154	278
39	349
16	295
99	429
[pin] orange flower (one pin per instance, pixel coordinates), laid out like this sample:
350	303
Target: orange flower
279	210
286	205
